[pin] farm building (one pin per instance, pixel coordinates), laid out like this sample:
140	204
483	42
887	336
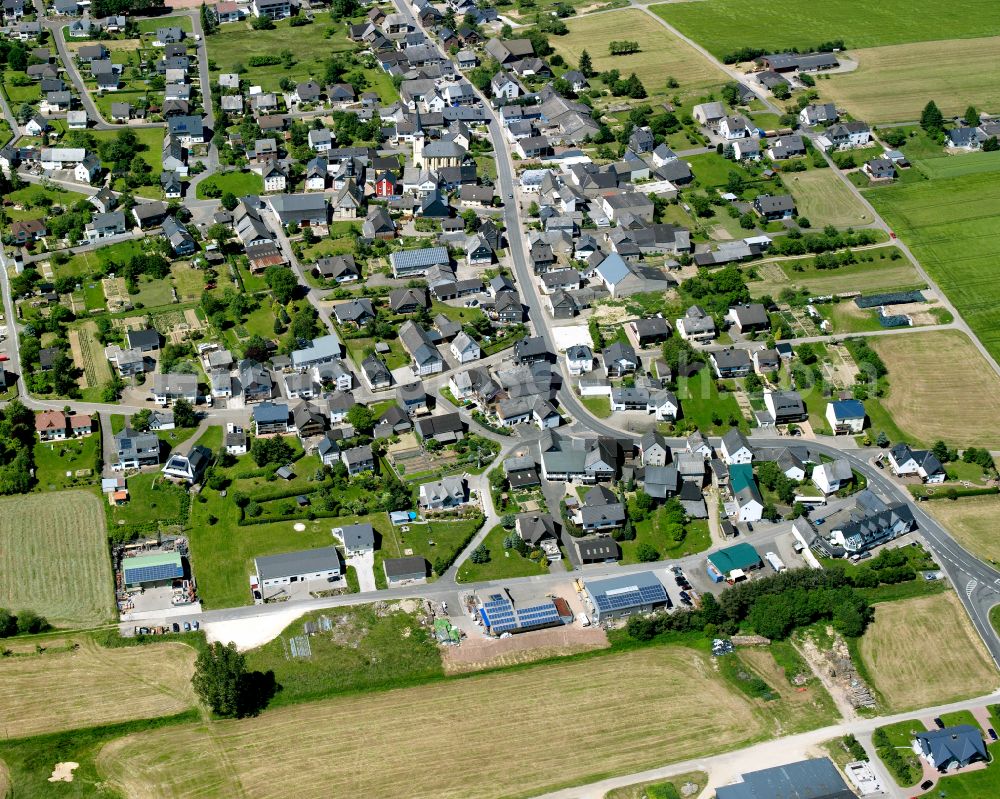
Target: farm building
146	571
732	563
622	596
276	571
500	613
405	570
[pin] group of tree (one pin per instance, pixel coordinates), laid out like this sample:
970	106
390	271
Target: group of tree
274	450
24	622
623	47
221	680
932	120
771	477
797	243
17	442
628	87
717	290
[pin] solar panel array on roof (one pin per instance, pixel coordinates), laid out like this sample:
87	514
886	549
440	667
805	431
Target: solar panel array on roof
500	615
153	570
630	597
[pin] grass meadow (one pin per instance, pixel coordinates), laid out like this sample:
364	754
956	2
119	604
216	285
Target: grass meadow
972	522
951	226
54	558
723	26
823	198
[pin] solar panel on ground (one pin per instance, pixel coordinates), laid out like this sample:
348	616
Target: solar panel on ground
300	646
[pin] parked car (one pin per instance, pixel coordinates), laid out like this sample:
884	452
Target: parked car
685	599
187	626
926	784
176	627
992	733
195	624
939	723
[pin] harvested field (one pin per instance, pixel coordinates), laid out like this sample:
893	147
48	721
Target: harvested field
54	557
972	522
661	54
892	84
92	686
923	651
476	654
677	708
821	196
5	786
941	388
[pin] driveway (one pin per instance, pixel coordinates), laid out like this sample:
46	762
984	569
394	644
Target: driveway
364	565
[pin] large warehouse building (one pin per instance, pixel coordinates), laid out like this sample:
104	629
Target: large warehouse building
277	571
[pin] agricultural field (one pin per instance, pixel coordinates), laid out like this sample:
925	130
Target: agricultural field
923	651
312	45
661	54
678	707
882	274
85	685
951	227
54	558
956	166
724	26
892	84
972	522
941	388
823	198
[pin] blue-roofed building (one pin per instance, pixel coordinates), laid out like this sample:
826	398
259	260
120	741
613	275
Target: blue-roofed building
951	747
500	614
322	350
846	416
270	417
618	597
806	779
417	262
158	568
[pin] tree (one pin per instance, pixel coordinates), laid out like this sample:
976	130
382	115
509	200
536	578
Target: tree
991	145
219	674
361	418
508	520
271	450
256	348
282	282
8	623
586	65
882	440
140	420
646	553
480	554
971	116
184	414
30	622
940	451
229	201
931	118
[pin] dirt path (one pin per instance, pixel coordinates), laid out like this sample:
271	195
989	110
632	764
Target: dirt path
478	653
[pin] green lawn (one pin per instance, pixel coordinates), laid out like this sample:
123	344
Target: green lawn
99	261
711	169
395	358
973	784
599	406
150	25
430	541
56	463
151	499
702	404
212	438
503	563
234	44
696	538
30	93
366	651
900	737
189	282
151	140
724	26
153	293
237	182
460	314
951	226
